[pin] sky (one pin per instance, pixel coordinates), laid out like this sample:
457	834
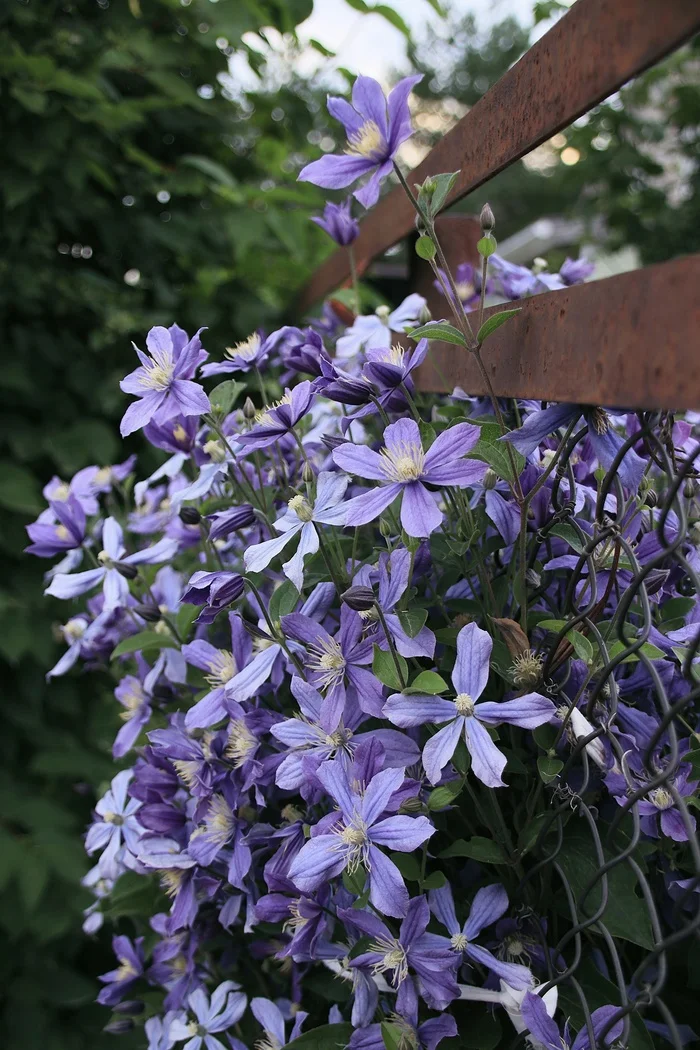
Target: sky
369	44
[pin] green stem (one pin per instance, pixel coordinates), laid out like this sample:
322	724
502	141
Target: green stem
392	647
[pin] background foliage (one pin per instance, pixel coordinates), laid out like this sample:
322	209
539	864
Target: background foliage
126	157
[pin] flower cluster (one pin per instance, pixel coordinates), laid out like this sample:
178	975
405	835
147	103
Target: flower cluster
350	632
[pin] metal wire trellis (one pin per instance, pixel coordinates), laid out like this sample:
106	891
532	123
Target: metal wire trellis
639	974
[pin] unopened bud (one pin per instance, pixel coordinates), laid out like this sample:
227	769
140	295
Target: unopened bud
690	488
385	528
307	473
411	805
149	613
533	578
425	316
428	186
190	515
129	572
361	599
249	409
651	499
130	1007
118	1026
487	219
490	479
331	442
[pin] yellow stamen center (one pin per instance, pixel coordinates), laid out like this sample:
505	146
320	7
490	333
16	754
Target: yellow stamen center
405	462
464	705
247	349
301	507
367	141
393	958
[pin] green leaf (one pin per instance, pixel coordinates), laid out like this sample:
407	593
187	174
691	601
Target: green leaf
186	616
649	650
693	760
427	433
549	768
582	647
327	1037
625	914
394	18
209	167
413	620
478	848
568	533
479	1029
490	449
443	184
392	1036
321	48
443	796
354	882
427	682
283	601
224	396
495	321
384	668
142	642
425	248
486	246
435	881
18	489
439	330
407	864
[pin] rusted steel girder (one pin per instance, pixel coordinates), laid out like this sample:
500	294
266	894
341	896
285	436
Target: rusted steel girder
594	49
631	340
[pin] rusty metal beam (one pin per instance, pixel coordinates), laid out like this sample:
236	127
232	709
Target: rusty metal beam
594	49
630	340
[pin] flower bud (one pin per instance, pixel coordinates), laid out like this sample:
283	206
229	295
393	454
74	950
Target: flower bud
425	316
130	1007
487	218
428	187
690	488
118	1026
129	572
385	528
411	805
361	599
190	516
490	479
149	613
249	409
331	442
651	498
307	473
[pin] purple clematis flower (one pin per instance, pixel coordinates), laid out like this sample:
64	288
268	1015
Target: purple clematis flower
224	522
546	1031
353	838
271	1018
59	529
274	421
375	127
163	383
373	331
391	366
226	1006
214	591
135	696
111	557
425	1036
468	284
424	953
404	467
394	571
301	519
489	905
157	1030
308	744
118	826
118	982
465	716
338	222
177	878
576	271
334	662
604	439
249	353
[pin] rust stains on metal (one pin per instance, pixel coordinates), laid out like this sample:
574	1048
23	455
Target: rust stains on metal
586	56
630	340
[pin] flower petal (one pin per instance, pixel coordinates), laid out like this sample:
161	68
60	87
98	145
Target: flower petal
471	672
386	888
487	761
420	514
440	749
